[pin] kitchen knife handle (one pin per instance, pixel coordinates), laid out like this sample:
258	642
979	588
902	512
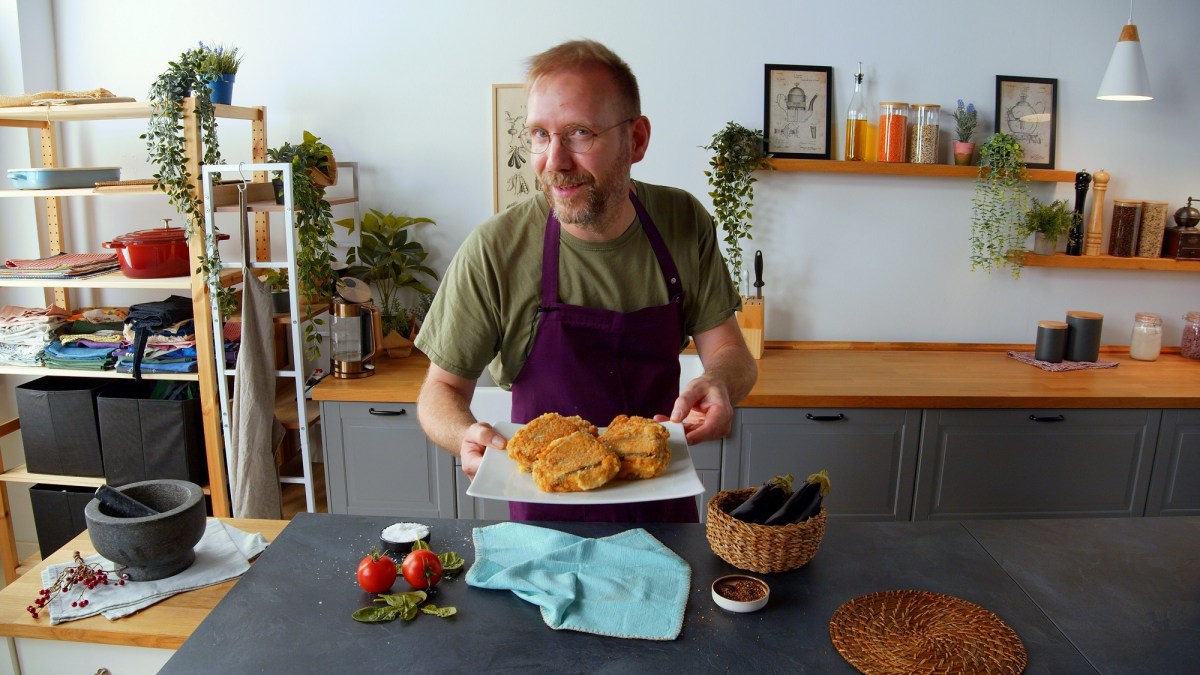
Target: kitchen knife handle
387	413
1047	418
825	418
758	269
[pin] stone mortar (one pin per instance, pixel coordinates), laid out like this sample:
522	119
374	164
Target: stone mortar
152	547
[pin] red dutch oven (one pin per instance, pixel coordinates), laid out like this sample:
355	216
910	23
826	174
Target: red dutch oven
153	254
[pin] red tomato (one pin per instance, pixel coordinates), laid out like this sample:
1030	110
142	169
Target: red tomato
376	573
422	569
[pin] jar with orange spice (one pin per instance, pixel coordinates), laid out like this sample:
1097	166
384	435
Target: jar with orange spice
893	132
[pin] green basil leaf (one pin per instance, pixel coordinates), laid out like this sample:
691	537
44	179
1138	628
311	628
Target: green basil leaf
375	614
451	562
409	612
444	612
413	598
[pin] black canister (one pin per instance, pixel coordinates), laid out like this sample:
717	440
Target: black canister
1051	343
1083	339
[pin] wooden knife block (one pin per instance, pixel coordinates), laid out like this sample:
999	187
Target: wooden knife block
751	321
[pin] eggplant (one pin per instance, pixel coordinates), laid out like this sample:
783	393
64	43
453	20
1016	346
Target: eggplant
804	502
765	501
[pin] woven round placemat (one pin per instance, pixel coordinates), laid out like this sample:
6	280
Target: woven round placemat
924	632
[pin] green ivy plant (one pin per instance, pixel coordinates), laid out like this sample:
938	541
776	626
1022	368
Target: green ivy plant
390	261
190	74
999	205
737	153
314	232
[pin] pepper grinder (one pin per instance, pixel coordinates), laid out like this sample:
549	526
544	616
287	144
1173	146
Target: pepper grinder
1095	231
1075	234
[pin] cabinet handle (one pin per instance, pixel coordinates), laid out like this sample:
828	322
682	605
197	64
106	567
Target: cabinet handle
387	413
826	418
1048	418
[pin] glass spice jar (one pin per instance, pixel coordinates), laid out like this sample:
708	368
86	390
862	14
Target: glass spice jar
1145	342
1122	238
893	132
1189	346
923	134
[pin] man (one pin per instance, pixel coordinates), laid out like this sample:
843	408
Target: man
582	298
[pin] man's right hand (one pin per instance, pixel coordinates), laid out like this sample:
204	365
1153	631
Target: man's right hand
478	438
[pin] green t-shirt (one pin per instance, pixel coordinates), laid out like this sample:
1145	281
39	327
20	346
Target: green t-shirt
485	309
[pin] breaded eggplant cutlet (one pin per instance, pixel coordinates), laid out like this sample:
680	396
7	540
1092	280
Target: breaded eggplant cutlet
641	445
533	439
575	463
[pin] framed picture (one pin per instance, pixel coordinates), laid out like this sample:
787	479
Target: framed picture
797	109
1027	108
512	174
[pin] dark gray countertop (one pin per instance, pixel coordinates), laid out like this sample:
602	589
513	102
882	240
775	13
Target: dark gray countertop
291	611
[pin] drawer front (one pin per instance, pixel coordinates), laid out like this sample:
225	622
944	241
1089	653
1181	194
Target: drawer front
870	455
379	462
1035	463
1175	481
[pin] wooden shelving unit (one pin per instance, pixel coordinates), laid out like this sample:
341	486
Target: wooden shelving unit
1105	262
904	169
44	120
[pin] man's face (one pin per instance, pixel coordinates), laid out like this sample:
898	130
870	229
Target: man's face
584	189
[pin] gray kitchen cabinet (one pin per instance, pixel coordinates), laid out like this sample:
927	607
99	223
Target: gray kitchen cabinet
1035	463
871	455
1174	489
378	462
471	507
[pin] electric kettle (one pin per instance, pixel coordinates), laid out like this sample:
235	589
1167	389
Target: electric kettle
356	330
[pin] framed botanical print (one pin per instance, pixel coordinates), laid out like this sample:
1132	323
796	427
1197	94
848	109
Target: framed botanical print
512	174
797	111
1027	109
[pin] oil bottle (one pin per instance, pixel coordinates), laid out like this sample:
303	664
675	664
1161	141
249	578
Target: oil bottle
857	122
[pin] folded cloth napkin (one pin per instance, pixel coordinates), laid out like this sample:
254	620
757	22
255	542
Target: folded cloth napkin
224	552
1028	357
628	585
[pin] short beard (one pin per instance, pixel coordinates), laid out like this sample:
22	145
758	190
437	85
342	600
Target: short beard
601	199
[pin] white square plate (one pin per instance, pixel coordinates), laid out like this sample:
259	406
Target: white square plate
500	478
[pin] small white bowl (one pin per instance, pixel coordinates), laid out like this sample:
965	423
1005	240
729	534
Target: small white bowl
740	605
397	539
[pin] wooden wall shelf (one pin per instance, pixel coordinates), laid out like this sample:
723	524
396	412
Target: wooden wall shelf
1106	262
901	169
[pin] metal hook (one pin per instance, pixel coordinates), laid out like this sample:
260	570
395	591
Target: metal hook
245	181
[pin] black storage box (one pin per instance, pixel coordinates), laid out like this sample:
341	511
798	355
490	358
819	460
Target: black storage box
58	514
58	425
145	439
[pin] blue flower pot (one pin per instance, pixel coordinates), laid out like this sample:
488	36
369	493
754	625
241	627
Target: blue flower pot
222	89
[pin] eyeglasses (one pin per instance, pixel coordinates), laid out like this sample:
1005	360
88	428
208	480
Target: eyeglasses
574	139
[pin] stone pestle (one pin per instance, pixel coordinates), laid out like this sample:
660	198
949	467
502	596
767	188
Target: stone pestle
121	505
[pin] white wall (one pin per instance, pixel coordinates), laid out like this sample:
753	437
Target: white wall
404	88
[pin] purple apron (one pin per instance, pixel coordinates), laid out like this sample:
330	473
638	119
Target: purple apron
599	363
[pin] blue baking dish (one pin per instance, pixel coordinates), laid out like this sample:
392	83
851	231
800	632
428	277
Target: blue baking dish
60	178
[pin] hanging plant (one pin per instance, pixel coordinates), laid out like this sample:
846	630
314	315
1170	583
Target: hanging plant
999	205
314	230
737	153
192	74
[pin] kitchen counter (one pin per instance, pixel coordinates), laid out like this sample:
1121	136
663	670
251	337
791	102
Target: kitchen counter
164	625
1104	595
859	375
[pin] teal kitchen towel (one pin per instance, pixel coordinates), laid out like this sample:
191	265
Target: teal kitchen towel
627	585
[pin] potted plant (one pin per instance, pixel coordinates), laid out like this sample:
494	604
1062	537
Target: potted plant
999	204
166	149
314	230
965	119
277	281
1047	222
737	153
390	261
311	156
224	63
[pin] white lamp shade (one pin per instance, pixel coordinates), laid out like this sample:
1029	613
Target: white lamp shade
1126	78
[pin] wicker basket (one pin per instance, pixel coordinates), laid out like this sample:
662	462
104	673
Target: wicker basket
760	548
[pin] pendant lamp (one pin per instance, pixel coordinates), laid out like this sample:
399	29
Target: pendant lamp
1126	78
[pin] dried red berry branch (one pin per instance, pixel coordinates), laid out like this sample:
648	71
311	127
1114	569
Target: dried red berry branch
82	574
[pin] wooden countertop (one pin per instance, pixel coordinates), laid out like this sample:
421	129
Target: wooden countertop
165	625
873	375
